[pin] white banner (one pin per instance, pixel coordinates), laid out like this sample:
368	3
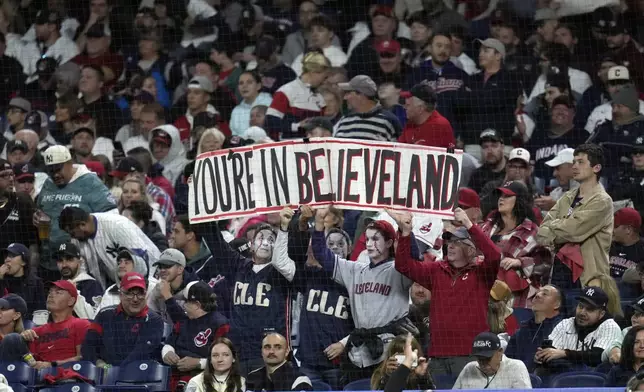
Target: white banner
350	174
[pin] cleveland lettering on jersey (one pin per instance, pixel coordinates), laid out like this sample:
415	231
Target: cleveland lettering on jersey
372	287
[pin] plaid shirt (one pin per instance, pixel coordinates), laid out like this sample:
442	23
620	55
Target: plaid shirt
166	208
517	244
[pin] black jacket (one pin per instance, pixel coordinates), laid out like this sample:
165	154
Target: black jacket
153	231
29	287
285	378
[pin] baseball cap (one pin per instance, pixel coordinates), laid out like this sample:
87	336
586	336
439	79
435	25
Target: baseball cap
17	144
67	286
520	153
616	26
198	291
242	246
385	228
468	198
514	188
638	304
638	145
17	249
567	155
422	91
201	83
46	67
24	171
20	103
383	10
490	135
15	302
485	345
205	119
133	280
594	296
48	17
56	155
33	121
143	97
171	257
618	72
96	31
95	167
459	234
161	136
500	291
318	122
556	78
362	84
68	249
86	130
494	44
126	166
388	46
628	217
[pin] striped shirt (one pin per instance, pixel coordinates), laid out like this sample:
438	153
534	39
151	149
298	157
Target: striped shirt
378	125
564	336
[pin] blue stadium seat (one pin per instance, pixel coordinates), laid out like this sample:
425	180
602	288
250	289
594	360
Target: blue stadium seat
138	375
19	387
84	368
578	380
444	381
28	324
321	386
18	373
535	381
522	314
70	387
359	385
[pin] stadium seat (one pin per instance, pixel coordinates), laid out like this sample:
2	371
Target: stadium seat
579	380
84	368
19	387
18	373
536	381
522	314
321	386
444	381
70	387
359	385
138	375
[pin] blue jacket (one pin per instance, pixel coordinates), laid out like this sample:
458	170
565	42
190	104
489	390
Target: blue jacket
528	338
117	338
618	376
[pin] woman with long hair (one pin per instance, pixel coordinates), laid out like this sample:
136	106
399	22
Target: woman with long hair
631	359
609	285
513	229
250	86
419	378
133	189
212	139
222	370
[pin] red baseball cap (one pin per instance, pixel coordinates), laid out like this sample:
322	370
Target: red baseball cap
385	228
383	10
388	46
628	217
67	286
96	167
468	198
132	280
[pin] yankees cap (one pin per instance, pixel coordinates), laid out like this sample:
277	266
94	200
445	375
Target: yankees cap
594	296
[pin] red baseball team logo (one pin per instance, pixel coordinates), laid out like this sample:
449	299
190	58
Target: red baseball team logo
202	338
424	229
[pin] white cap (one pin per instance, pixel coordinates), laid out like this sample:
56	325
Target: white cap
256	134
567	155
520	153
618	72
56	155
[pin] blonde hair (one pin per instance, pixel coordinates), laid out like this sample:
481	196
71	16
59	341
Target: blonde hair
142	187
216	133
397	346
608	284
315	62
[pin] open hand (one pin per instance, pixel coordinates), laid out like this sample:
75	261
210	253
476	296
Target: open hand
286	214
334	350
402	219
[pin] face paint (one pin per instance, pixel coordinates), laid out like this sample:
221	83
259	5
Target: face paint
263	244
376	244
337	244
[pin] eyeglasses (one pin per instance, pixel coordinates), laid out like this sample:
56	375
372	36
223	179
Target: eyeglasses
7	174
132	295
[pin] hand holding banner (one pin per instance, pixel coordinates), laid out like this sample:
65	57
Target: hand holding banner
351	174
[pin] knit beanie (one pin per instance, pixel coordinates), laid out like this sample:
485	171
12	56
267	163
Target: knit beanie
628	97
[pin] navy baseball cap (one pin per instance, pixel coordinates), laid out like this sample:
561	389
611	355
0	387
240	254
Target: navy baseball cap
15	302
594	296
17	249
68	249
485	345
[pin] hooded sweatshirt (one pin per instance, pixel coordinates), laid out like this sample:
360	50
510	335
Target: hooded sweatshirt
85	190
111	296
172	309
90	292
175	161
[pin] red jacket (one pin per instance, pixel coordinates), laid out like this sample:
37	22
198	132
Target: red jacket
459	297
436	131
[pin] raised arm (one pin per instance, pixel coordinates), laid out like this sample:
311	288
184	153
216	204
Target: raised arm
280	260
318	242
227	257
405	262
299	235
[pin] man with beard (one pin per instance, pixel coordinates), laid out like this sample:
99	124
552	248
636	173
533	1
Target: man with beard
494	161
16	211
127	332
69	184
104	234
580	340
89	289
419	312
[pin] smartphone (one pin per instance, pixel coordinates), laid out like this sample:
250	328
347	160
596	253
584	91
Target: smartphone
401	358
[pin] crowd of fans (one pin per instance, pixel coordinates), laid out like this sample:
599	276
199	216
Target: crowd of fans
108	104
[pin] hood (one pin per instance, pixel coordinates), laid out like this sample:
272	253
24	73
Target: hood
176	149
81	170
81	277
140	265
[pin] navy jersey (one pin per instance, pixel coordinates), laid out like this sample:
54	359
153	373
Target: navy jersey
325	317
193	337
92	291
544	147
261	293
